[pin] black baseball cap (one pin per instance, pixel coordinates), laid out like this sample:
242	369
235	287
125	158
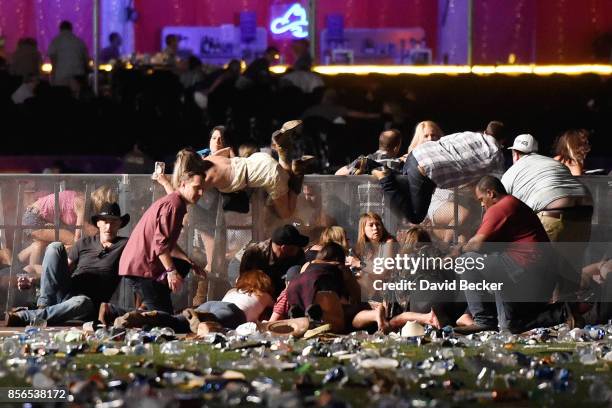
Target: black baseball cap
289	235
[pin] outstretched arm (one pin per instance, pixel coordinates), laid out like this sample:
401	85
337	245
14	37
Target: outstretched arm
165	183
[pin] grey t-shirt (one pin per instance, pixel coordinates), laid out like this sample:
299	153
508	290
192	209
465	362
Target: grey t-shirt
539	180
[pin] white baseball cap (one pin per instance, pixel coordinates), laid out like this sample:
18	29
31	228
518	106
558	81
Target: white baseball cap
525	143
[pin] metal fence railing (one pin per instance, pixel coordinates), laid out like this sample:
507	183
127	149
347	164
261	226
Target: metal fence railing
326	200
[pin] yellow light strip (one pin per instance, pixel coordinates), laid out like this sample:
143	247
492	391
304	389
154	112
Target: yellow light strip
456	69
572	69
431	69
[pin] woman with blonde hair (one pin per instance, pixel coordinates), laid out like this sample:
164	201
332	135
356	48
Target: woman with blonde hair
425	131
335	234
571	149
372	235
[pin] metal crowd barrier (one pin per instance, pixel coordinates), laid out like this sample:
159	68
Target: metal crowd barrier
326	200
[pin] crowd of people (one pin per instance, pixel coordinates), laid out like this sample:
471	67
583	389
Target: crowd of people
534	231
531	242
174	93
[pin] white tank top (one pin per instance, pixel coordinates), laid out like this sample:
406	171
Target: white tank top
252	305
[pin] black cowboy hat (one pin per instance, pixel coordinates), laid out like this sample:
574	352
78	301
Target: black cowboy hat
111	211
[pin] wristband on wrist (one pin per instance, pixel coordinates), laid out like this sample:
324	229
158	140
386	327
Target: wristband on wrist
171	269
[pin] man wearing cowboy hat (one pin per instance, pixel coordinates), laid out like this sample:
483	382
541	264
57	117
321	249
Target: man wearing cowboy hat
73	283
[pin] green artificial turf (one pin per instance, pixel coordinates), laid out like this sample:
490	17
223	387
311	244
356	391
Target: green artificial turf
357	393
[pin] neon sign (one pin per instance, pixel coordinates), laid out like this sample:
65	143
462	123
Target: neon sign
294	21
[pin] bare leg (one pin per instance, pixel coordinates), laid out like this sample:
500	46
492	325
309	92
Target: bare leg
422	318
367	317
33	253
66	237
285	205
24	255
444	216
465	320
209	247
38	251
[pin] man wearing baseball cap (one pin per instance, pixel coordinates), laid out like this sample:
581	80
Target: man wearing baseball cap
563	204
276	255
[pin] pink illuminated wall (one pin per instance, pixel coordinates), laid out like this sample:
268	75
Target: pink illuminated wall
544	31
41	18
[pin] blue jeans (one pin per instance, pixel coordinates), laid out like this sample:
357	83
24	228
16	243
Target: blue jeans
55	282
156	295
410	193
57	304
521	304
78	307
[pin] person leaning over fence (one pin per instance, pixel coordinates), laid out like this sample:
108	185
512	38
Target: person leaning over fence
563	204
441	209
452	161
74	283
389	145
281	179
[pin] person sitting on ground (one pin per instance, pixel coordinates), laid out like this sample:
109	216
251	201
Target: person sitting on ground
40	217
74	283
571	149
338	235
373	241
335	234
280	311
455	160
244	303
438	309
276	255
389	145
321	292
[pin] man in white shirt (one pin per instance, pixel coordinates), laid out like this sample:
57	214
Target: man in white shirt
563	204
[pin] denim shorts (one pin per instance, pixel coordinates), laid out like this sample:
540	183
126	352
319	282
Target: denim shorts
31	218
